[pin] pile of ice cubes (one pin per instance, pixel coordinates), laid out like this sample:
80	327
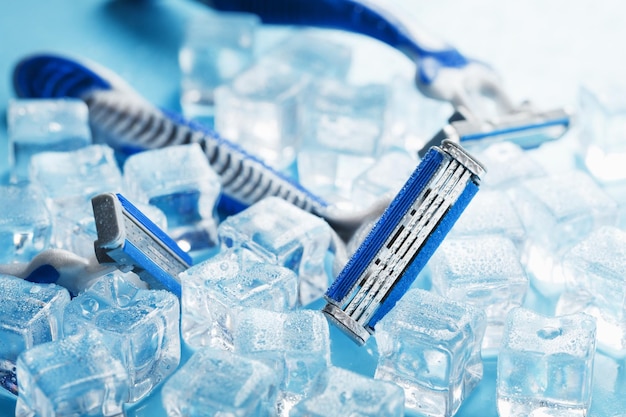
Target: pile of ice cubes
533	275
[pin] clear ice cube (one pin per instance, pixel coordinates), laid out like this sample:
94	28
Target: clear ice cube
557	211
259	110
215	291
545	365
507	164
295	344
280	233
220	383
140	327
37	125
69	180
339	392
216	48
483	271
595	283
74	376
430	346
30	314
179	181
25	224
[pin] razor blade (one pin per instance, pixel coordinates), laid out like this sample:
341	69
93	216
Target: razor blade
385	265
128	239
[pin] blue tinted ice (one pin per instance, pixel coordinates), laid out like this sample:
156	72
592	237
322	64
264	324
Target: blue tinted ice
595	283
44	125
179	181
296	344
140	327
338	392
259	109
491	212
280	233
507	164
69	180
603	130
74	376
557	211
483	271
216	382
342	126
30	314
216	48
216	290
25	223
545	365
430	346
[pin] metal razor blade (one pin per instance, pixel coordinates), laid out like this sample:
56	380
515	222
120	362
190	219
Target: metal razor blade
127	238
387	262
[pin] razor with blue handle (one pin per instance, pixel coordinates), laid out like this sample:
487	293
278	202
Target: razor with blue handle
387	262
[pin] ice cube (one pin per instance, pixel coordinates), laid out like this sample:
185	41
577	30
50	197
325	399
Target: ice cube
483	271
37	125
603	130
74	376
259	109
507	164
430	346
140	327
68	181
545	365
216	48
595	283
25	224
179	181
216	382
280	233
557	211
216	290
30	314
295	344
339	392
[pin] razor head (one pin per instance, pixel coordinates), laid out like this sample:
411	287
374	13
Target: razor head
131	241
385	265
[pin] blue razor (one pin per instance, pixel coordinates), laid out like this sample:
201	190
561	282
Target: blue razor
387	262
131	241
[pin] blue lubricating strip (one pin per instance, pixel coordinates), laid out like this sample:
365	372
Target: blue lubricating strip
431	244
45	274
565	121
154	229
163	278
381	231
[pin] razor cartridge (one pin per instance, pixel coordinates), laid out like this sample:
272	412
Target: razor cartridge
131	241
387	262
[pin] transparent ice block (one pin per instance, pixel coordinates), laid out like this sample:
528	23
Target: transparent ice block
557	211
339	392
216	48
507	164
259	110
30	314
280	233
25	223
430	346
483	271
179	181
603	129
220	383
74	376
38	125
215	291
595	283
295	344
545	365
69	180
140	327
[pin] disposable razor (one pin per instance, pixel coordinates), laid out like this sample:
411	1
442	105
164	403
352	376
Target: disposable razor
131	241
387	262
